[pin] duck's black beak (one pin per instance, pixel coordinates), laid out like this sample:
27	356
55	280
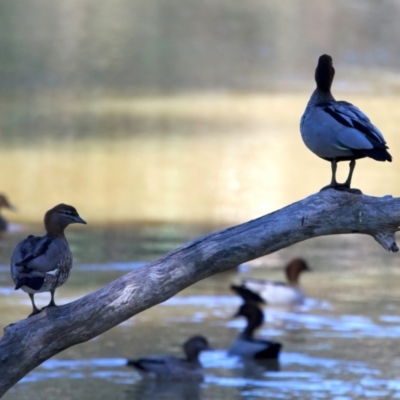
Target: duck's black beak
79	220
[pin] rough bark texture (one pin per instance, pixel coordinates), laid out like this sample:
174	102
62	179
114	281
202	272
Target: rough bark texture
29	342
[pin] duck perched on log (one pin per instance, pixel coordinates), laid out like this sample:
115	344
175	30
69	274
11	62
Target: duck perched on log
4	203
173	368
43	263
338	130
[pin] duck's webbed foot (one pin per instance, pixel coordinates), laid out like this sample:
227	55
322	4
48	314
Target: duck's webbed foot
34	312
342	187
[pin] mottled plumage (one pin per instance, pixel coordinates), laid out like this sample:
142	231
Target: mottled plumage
43	263
338	130
280	293
173	368
246	345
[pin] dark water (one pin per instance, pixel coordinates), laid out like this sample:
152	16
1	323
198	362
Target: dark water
341	344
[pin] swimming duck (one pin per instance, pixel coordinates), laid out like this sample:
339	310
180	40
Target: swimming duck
173	368
246	345
337	130
4	203
43	263
280	293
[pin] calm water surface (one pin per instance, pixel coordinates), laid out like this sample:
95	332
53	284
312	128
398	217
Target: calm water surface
342	344
162	121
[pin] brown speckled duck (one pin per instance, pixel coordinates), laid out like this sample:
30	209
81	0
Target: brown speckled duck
4	203
43	263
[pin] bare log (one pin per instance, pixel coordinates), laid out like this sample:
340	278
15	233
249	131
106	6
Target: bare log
27	343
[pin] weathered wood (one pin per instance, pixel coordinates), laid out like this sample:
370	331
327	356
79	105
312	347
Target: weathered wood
29	342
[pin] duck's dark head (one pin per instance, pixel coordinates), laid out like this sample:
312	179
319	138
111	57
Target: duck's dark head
324	73
194	346
254	316
294	269
59	217
4	203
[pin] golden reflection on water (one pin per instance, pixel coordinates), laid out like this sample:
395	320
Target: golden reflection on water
205	158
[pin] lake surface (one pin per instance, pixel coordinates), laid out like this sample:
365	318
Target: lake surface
184	159
342	344
162	121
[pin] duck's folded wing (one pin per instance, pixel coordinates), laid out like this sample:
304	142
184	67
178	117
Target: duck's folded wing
353	129
339	128
39	254
30	248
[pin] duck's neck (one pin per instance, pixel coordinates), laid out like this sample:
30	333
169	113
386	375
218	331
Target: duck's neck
252	325
55	231
320	96
292	277
193	357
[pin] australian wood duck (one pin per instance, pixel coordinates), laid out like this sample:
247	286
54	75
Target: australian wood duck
173	368
337	130
280	293
43	263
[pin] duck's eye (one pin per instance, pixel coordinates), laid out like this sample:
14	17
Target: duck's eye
70	213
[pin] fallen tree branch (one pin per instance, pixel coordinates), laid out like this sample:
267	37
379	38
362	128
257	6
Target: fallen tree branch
29	342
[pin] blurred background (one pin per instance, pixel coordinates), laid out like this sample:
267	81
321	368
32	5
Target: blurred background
164	120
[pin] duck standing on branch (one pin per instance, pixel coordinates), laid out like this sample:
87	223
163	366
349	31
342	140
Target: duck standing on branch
279	293
43	263
337	130
173	368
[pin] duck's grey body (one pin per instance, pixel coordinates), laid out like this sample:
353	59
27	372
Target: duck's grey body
338	130
40	264
173	368
169	368
249	347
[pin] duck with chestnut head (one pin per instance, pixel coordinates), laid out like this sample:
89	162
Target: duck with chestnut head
173	368
280	293
43	263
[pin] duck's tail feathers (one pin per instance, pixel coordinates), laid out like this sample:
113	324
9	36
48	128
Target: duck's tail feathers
271	352
34	283
378	154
